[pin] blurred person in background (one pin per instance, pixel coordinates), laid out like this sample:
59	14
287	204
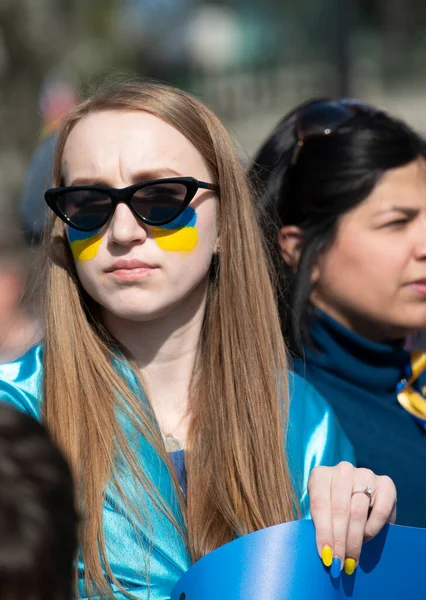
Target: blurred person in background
342	195
20	319
56	100
158	374
38	520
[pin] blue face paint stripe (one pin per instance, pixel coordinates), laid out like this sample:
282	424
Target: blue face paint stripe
75	235
187	219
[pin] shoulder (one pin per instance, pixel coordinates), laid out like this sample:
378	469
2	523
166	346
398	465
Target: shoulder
305	401
312	423
314	436
21	382
307	405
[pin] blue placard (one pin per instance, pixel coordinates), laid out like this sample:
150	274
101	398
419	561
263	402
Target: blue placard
281	563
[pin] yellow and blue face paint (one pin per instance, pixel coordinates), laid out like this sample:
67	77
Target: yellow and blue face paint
84	244
180	235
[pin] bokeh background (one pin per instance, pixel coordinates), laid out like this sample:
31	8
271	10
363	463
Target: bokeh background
250	60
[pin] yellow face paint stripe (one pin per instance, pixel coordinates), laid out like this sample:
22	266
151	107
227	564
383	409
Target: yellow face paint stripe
86	249
176	240
180	235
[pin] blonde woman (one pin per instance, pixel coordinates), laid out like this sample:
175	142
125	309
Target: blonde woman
162	343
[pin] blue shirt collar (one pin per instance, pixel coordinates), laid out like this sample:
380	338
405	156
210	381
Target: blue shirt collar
343	353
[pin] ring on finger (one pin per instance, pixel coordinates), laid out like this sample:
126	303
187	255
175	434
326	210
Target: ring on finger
368	491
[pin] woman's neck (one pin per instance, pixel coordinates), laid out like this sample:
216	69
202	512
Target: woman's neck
165	349
362	325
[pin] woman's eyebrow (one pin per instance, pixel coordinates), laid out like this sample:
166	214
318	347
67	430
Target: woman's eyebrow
139	177
88	181
409	212
149	174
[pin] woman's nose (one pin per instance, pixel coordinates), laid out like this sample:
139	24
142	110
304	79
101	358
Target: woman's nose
125	228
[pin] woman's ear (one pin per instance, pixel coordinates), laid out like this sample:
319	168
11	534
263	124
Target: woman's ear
290	238
216	250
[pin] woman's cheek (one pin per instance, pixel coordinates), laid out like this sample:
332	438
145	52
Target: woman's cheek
84	244
180	235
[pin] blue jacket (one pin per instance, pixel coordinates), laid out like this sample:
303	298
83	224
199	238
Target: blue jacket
314	438
359	378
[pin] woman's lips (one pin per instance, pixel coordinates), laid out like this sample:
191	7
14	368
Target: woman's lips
130	270
419	286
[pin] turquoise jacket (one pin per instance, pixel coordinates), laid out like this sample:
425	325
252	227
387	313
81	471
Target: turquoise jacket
314	438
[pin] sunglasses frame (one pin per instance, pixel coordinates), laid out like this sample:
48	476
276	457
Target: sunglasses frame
125	195
355	107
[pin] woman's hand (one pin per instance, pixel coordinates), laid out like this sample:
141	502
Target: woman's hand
344	520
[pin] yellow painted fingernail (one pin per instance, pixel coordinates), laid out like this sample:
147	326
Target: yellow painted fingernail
350	565
327	556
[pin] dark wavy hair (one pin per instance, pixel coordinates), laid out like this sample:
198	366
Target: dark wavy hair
333	173
38	521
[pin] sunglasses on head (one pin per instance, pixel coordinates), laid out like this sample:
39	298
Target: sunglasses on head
325	117
156	202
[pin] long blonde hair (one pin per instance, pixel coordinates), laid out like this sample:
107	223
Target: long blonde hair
238	478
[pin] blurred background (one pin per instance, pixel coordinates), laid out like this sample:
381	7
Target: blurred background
249	60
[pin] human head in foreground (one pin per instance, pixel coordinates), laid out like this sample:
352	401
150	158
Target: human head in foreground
38	522
158	288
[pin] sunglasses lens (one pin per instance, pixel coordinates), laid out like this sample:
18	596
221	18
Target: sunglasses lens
323	118
86	209
160	202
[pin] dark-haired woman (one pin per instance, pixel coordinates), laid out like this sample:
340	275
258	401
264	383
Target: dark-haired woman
342	190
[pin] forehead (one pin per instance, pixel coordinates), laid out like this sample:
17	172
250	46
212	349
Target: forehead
116	143
403	187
